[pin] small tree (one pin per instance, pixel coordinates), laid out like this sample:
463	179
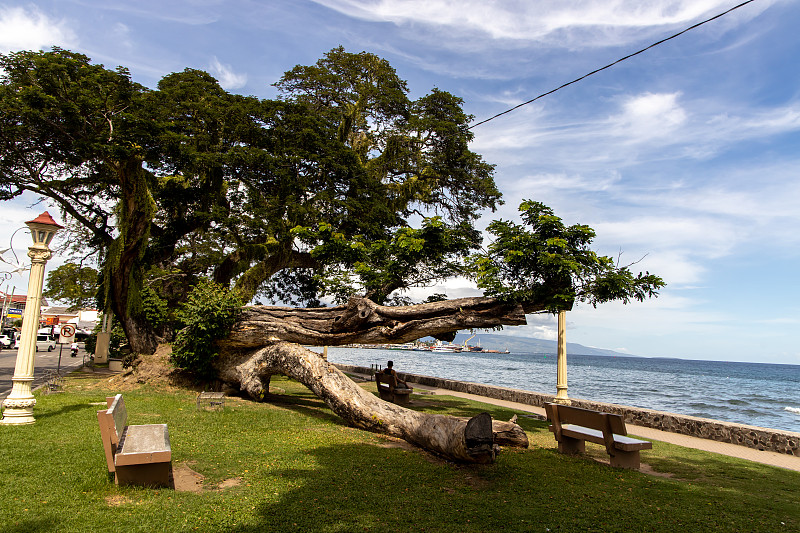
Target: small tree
72	284
544	261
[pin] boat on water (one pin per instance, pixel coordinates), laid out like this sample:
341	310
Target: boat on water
446	348
404	346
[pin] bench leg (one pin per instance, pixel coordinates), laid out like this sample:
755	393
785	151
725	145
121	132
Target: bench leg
402	399
571	446
625	459
385	396
146	475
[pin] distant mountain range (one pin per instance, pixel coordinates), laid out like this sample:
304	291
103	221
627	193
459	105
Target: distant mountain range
491	341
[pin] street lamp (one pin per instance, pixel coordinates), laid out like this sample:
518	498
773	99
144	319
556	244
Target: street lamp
18	406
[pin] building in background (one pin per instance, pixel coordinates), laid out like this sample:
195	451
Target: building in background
13	307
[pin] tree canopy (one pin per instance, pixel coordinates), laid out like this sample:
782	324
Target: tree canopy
342	187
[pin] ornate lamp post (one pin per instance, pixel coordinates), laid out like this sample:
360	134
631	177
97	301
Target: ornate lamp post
19	404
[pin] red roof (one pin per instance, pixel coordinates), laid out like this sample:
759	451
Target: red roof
45	218
18	299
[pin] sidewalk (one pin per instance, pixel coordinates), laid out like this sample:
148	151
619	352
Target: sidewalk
780	460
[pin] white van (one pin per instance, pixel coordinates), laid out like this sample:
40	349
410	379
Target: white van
43	342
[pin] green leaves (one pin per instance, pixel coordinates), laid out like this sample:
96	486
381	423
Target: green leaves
72	284
543	261
408	257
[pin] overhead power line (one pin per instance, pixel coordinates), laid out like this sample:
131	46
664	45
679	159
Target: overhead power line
576	80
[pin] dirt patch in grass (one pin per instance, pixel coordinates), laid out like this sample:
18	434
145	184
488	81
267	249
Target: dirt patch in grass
645	468
228	483
187	480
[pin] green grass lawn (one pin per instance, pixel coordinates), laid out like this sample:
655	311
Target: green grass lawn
292	465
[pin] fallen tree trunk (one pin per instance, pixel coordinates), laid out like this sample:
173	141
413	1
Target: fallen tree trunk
473	440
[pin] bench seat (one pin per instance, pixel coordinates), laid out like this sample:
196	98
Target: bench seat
621	442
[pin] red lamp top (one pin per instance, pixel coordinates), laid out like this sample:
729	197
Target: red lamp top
46	219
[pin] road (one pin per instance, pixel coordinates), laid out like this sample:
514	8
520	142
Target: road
44	361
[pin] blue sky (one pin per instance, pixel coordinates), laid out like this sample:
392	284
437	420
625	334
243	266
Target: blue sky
684	158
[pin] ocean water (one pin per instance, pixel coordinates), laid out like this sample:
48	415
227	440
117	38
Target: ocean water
757	394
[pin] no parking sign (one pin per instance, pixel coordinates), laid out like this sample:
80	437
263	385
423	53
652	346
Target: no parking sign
67	335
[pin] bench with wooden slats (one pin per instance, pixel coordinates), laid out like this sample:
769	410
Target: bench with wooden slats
573	426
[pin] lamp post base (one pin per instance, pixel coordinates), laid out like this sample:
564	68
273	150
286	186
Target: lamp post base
18	407
561	396
18	411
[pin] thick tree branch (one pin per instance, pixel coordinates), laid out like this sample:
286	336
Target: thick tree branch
363	321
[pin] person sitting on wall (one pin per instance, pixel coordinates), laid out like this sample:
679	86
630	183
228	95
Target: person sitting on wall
389	370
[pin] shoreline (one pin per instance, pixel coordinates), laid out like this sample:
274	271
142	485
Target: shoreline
741	435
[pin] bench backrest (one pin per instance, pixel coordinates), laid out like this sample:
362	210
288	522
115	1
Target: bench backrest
566	414
609	424
388	379
112	423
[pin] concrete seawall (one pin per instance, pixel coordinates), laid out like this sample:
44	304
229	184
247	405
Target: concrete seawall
750	436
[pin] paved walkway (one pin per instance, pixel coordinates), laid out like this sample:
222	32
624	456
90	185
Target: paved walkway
770	458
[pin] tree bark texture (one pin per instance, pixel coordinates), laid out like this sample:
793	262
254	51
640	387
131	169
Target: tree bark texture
463	440
365	322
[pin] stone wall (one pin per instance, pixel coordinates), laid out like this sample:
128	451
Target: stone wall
751	436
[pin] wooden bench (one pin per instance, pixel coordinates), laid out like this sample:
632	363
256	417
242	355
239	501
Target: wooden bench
389	391
573	426
138	455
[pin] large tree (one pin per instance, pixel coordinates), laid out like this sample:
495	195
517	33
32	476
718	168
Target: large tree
342	188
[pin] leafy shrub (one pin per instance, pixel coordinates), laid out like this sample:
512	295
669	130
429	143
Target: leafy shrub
208	314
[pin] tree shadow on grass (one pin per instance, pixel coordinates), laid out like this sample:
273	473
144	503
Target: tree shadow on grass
27	526
314	408
359	487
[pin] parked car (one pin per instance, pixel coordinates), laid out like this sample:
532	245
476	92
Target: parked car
5	341
43	342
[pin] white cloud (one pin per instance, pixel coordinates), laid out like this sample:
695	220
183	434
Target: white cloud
122	35
586	23
30	29
563	181
228	79
645	117
673	232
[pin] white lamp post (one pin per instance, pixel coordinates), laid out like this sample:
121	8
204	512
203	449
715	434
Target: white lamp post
18	406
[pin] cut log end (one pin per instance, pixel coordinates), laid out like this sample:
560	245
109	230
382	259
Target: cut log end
479	439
